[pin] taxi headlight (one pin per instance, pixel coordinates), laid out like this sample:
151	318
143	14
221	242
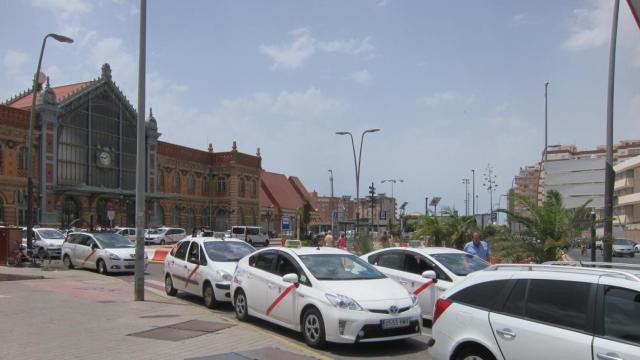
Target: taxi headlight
343	302
224	275
114	257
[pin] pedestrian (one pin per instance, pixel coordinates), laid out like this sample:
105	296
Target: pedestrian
283	240
342	242
328	239
478	247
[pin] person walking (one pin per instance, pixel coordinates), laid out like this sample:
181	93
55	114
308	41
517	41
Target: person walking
342	242
478	247
328	240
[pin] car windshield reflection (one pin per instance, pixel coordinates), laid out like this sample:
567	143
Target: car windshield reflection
227	251
113	241
340	267
461	264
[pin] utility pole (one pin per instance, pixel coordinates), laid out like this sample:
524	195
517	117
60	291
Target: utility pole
609	175
140	158
546	124
473	197
466	196
331	204
426	206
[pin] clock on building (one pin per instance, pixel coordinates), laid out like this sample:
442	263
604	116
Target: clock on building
104	158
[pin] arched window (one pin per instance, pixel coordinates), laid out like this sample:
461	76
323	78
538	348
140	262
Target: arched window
191	183
221	220
69	211
254	188
254	218
191	220
176	181
205	184
241	186
241	220
22	160
1	211
175	217
205	217
1	162
221	184
158	215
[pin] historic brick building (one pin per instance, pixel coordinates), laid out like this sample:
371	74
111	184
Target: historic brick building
85	136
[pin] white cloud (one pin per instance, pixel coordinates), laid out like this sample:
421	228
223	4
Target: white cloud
519	19
445	97
304	46
590	27
14	62
361	77
65	8
124	64
382	3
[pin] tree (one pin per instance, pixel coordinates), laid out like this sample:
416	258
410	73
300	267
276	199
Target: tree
459	228
434	227
306	218
548	227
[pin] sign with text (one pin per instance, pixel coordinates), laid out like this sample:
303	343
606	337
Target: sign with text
286	223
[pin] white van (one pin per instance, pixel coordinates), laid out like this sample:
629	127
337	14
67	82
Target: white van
164	235
252	234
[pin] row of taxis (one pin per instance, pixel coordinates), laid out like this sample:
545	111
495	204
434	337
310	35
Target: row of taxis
327	294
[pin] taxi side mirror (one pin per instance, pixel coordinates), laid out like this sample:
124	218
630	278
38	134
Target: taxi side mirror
430	274
290	278
95	246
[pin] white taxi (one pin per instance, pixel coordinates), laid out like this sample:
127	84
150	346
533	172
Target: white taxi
408	266
103	251
204	267
327	294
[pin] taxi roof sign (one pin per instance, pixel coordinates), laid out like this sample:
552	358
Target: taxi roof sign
296	244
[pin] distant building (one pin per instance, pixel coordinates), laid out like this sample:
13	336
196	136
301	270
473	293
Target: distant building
282	201
627	192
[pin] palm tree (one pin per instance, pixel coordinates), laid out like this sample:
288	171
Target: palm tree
434	227
459	229
549	226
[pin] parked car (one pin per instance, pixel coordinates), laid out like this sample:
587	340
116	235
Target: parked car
204	267
164	235
637	248
623	247
46	242
104	251
407	265
252	234
540	312
327	294
128	233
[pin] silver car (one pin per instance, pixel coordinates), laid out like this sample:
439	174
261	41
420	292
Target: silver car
623	247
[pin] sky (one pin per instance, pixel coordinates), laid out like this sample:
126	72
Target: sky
453	85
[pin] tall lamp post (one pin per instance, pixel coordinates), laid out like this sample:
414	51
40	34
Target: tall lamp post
466	181
393	181
331	204
357	162
269	213
32	119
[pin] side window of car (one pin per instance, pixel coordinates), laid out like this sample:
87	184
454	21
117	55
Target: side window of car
83	240
482	295
171	232
417	264
182	250
514	305
203	257
238	230
253	231
391	260
285	266
194	253
264	261
622	314
562	303
252	260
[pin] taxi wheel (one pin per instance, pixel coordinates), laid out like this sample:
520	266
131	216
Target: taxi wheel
168	286
242	309
474	353
66	260
102	267
313	328
209	296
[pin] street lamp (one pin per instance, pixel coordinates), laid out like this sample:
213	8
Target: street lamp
269	212
392	181
331	204
357	162
32	119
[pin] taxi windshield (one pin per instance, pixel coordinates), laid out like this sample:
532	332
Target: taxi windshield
113	241
227	251
339	267
461	264
51	234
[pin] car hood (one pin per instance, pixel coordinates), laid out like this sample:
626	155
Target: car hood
123	253
57	242
229	267
370	294
623	247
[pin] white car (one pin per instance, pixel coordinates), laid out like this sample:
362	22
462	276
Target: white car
327	294
128	233
46	242
105	252
254	235
164	235
623	247
204	267
407	265
536	312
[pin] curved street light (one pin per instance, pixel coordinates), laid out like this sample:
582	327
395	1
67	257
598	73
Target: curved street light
32	119
357	162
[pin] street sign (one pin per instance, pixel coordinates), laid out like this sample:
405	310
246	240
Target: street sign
286	223
634	6
111	214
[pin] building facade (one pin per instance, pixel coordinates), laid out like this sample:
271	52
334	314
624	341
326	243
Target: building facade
627	195
85	139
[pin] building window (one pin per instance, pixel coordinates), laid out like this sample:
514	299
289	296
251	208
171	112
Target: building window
221	184
160	179
22	160
176	182
1	211
241	186
175	217
191	183
157	218
191	220
254	188
1	161
205	217
205	184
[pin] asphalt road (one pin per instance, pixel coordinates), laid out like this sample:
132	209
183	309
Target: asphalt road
415	348
576	255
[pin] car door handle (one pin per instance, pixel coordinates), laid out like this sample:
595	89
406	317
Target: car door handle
609	356
506	333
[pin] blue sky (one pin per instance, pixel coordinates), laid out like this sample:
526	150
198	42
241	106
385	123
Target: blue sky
452	85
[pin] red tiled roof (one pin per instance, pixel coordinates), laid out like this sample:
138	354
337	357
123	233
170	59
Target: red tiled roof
283	193
265	201
302	191
61	93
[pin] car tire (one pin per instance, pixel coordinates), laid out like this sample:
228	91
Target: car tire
474	353
102	267
313	328
168	286
241	305
66	260
266	243
209	296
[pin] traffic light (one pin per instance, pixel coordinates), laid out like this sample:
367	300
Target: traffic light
372	195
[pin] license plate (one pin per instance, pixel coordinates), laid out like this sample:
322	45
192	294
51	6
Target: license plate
395	323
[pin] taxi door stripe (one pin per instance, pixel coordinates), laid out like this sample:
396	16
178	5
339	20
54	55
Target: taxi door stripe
88	256
279	298
423	287
191	275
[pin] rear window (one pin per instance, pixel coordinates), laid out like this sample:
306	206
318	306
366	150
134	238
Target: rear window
562	303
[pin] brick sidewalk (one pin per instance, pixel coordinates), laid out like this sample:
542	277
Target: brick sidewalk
79	314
